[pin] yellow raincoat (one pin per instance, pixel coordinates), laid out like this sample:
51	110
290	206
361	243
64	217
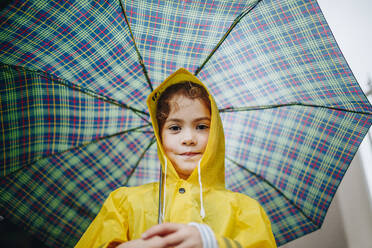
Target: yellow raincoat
236	219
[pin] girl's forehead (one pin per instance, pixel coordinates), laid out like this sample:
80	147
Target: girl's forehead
188	110
178	101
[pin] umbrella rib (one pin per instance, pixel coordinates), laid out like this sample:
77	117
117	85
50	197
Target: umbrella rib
139	159
91	93
238	109
86	91
272	186
83	145
136	48
235	22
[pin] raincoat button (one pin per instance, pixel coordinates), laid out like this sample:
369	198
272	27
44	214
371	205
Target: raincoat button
181	190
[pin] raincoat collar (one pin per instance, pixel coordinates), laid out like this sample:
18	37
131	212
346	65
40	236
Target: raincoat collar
212	165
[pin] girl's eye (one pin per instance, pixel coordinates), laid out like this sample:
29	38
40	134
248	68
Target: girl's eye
202	126
174	128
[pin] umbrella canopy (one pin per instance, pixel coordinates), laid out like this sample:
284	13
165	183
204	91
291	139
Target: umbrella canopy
74	125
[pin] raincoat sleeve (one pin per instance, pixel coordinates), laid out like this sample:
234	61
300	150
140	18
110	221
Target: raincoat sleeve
250	229
110	227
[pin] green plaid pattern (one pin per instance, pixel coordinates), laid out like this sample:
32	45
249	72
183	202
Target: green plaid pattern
40	117
175	34
57	197
282	53
84	42
286	157
148	169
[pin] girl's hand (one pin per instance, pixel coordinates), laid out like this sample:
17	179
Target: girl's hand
173	235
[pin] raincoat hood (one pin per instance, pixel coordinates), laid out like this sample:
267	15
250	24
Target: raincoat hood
212	167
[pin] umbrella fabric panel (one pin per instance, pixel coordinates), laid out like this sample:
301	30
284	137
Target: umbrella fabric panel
287	221
41	116
148	169
85	42
282	53
174	34
301	151
57	197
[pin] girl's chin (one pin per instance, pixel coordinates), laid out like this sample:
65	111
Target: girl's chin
187	168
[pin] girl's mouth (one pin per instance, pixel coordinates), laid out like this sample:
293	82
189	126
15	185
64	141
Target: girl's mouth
190	154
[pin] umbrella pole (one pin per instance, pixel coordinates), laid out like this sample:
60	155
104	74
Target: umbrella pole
160	187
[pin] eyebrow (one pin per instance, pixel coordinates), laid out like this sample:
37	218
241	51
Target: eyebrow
203	119
196	120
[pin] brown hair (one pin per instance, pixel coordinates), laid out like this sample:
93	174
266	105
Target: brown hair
185	88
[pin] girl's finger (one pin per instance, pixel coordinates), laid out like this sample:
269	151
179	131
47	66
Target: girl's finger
187	236
176	238
161	230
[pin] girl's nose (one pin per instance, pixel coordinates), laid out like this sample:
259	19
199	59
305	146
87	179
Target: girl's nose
189	138
189	142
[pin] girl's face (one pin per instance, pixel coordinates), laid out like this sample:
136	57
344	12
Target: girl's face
185	133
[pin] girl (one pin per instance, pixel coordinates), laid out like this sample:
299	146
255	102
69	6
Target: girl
196	209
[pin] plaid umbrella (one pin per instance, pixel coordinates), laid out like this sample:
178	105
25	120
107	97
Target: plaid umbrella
74	125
